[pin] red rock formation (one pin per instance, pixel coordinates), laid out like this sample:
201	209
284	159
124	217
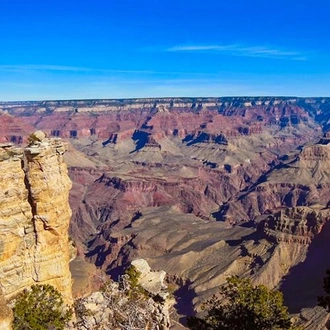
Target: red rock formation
14	129
75	119
295	225
305	180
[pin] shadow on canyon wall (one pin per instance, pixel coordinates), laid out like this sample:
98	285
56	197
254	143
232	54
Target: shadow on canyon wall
305	281
184	302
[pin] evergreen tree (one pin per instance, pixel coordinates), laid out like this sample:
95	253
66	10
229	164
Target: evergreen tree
40	308
242	306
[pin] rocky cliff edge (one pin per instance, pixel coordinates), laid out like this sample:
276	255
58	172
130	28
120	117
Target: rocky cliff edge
34	216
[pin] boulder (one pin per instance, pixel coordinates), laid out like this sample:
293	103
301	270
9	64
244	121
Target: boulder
152	282
37	136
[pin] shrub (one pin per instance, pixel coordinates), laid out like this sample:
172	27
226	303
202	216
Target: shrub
242	306
130	283
41	308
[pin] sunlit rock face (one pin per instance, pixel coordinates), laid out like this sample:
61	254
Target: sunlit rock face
34	216
301	179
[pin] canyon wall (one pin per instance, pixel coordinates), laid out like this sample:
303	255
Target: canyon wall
34	217
115	121
302	179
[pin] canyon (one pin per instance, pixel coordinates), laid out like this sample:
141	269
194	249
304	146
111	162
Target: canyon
202	188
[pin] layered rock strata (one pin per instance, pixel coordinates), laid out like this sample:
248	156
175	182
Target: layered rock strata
302	179
206	119
34	217
295	225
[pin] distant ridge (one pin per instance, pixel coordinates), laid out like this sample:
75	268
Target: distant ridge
169	98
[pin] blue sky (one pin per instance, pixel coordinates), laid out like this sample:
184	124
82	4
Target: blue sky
71	49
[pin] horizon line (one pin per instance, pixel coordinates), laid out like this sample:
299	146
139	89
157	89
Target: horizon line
169	98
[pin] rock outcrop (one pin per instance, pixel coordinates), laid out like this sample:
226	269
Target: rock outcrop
34	217
300	179
151	281
295	225
118	306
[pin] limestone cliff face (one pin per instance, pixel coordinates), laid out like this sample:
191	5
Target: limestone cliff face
34	217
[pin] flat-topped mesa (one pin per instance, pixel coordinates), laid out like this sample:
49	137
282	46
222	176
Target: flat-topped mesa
34	216
163	104
297	224
315	152
203	137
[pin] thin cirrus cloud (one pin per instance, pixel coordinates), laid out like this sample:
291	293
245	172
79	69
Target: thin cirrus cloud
60	68
41	67
239	50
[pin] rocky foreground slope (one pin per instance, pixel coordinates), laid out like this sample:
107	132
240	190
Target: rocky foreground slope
140	302
202	188
34	217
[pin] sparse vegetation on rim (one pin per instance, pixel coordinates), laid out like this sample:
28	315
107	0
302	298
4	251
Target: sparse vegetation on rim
40	308
242	306
122	305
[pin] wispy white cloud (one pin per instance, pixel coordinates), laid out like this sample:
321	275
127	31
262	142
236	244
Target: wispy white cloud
240	50
25	68
63	68
41	67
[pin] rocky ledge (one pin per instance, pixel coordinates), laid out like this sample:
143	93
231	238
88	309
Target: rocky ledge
117	306
34	216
